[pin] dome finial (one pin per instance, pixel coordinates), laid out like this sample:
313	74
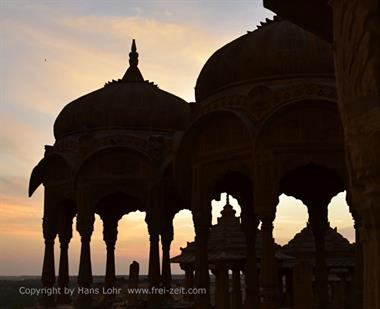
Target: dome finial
133	74
133	55
228	210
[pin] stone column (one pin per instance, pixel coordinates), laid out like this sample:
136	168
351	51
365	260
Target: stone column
110	236
269	271
64	235
48	270
49	228
85	227
201	210
201	263
189	279
189	276
84	300
252	299
370	235
236	288
342	286
319	224
302	286
166	239
85	270
154	222
358	271
63	275
289	288
154	260
357	62
222	299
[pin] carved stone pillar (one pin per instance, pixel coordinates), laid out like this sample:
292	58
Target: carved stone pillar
201	210
252	299
321	273
154	261
302	286
85	270
357	61
63	275
222	294
85	227
370	235
109	237
319	224
236	289
342	300
289	288
64	235
49	232
269	271
166	239
48	270
189	276
189	279
358	271
201	264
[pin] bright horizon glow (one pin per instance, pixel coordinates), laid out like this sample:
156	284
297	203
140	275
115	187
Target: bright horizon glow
53	52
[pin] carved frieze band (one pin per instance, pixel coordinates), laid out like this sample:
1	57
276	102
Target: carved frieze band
154	146
262	99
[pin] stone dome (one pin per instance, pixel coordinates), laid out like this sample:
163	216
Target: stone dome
128	103
276	49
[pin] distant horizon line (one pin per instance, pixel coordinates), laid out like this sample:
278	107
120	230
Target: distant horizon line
72	276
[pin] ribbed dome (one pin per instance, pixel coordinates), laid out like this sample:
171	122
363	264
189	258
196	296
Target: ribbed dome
129	103
276	49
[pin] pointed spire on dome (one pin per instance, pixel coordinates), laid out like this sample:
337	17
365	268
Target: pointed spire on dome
228	211
133	73
228	214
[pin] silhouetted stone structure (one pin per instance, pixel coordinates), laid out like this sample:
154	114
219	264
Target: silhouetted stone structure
112	157
350	26
133	281
302	285
268	119
227	251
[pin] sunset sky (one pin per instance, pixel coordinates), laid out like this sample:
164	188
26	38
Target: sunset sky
55	51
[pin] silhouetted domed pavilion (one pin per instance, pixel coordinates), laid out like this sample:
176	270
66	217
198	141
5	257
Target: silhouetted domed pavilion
128	103
112	156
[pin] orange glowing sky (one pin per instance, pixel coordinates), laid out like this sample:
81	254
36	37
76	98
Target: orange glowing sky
55	51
